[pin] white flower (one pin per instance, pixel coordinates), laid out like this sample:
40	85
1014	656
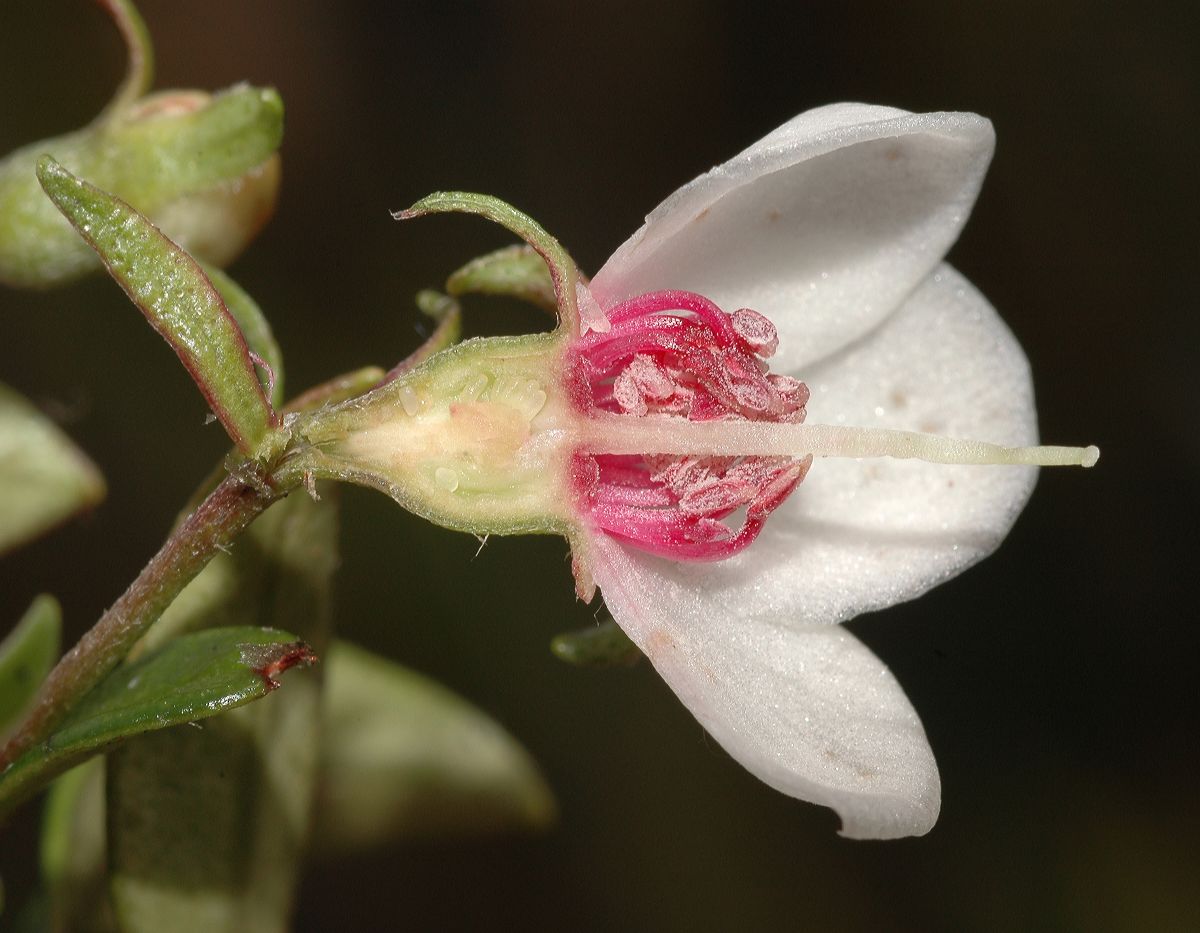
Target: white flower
647	420
834	226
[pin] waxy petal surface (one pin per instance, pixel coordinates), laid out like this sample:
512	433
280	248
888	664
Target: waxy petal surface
824	225
858	535
748	644
807	709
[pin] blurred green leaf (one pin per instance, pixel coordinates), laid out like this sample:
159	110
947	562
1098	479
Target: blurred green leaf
175	295
188	679
516	271
236	129
402	756
44	478
73	857
602	645
26	656
255	328
207	826
144	152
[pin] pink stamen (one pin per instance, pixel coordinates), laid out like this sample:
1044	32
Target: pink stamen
661	335
659	529
658	302
646	497
622	470
675	353
756	332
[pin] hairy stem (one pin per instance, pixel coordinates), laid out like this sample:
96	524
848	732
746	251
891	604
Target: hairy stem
215	523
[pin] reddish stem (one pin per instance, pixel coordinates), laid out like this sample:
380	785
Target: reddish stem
215	523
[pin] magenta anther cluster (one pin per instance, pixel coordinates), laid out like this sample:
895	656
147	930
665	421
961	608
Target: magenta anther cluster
676	354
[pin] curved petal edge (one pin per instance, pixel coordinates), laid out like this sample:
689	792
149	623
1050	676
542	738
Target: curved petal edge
824	225
810	710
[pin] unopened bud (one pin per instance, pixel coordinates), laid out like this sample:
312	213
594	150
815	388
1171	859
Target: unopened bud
203	167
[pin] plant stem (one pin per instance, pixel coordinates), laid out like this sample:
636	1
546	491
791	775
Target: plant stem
214	524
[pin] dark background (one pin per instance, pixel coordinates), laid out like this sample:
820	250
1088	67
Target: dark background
1056	681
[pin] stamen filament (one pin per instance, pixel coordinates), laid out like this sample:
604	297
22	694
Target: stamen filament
621	434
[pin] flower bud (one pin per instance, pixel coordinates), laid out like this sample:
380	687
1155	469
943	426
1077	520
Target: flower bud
202	167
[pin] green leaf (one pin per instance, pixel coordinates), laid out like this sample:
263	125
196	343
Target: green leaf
175	295
601	645
73	857
516	271
255	327
189	679
403	756
207	826
44	478
562	268
26	656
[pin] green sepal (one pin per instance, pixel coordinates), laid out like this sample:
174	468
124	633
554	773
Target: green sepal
516	271
339	389
175	295
26	655
189	679
447	315
403	757
139	70
563	271
44	477
602	645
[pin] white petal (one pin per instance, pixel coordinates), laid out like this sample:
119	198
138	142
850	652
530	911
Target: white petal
824	225
871	533
858	535
743	642
809	710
